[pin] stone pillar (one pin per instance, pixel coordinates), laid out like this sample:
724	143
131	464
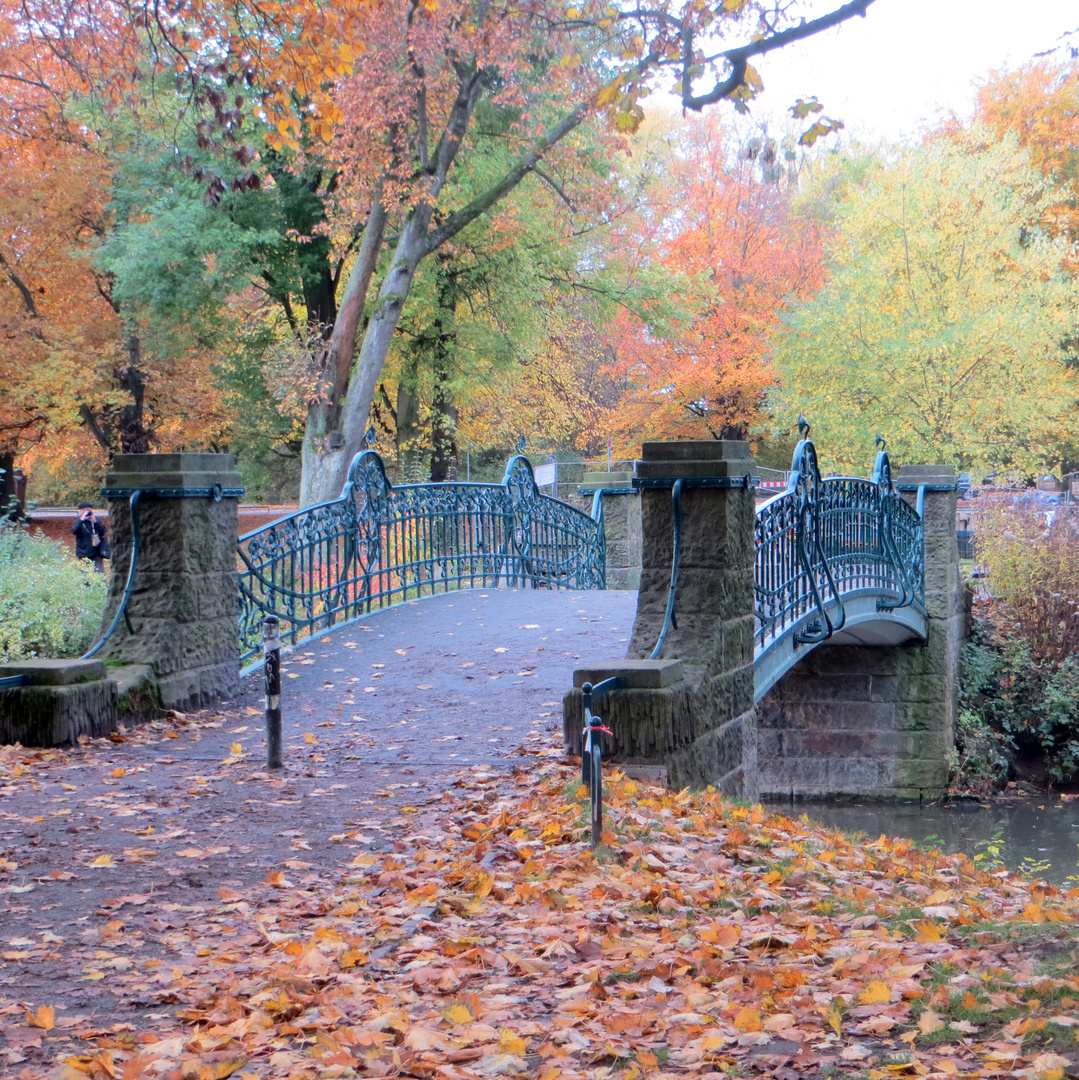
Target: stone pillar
934	677
691	711
183	607
876	722
621	525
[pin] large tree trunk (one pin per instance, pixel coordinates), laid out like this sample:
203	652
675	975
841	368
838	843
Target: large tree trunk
321	437
325	464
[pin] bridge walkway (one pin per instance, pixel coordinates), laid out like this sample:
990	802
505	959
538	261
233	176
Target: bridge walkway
463	678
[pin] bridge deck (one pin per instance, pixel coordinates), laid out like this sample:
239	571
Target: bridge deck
460	678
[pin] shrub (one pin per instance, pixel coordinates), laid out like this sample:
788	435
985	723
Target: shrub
1029	550
1019	684
50	603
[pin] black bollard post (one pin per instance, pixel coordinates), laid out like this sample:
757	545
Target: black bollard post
271	647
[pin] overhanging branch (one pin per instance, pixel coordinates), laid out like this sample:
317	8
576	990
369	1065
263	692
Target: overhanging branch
739	57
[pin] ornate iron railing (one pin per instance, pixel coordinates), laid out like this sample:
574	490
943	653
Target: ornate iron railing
822	540
379	545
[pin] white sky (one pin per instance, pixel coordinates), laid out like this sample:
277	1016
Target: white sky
908	63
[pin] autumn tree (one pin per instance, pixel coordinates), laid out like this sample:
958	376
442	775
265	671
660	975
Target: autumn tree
1038	105
942	319
740	255
399	85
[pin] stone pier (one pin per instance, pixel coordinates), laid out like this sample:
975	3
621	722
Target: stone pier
692	709
621	525
184	603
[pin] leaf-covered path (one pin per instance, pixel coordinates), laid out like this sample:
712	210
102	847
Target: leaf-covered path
465	930
378	715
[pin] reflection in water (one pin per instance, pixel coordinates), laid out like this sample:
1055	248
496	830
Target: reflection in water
1038	828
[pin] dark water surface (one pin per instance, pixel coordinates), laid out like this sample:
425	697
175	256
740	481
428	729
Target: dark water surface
1032	827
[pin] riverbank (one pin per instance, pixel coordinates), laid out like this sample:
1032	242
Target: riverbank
471	932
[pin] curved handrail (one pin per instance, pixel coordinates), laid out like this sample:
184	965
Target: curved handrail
377	545
822	539
121	610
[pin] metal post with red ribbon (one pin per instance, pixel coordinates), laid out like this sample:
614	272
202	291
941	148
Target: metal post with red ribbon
592	750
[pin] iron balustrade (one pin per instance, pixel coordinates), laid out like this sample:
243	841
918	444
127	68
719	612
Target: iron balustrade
378	545
824	539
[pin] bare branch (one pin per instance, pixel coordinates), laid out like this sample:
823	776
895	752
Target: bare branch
739	57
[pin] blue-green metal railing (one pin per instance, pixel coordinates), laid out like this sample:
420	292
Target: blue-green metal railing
378	545
823	540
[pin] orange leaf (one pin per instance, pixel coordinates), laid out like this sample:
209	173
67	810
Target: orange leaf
748	1020
44	1016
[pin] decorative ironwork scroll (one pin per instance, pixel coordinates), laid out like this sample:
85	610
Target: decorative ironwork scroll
824	540
379	545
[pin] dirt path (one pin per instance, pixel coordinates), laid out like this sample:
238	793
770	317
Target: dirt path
112	856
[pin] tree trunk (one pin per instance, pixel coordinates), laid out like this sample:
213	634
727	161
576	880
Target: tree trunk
135	435
321	437
325	466
409	449
444	363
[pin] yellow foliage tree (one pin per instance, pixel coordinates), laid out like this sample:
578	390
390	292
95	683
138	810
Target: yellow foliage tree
945	319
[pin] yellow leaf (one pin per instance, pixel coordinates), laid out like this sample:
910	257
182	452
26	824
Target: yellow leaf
236	748
834	1017
509	1042
102	861
748	1020
44	1016
309	738
876	993
928	930
458	1014
119	772
611	92
1033	913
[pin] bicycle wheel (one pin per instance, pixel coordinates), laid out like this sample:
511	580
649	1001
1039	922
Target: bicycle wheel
596	791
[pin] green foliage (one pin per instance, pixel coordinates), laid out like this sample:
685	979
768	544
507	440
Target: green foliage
989	853
943	320
50	603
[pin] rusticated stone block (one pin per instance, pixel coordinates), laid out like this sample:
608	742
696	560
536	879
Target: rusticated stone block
54	672
185	599
57	714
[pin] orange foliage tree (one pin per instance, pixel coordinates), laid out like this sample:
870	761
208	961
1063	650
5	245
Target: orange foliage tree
1039	106
402	87
743	257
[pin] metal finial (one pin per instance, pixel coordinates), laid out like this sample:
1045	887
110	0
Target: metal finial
520	445
370	437
880	441
803	426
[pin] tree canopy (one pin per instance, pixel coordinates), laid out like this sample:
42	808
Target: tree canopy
946	315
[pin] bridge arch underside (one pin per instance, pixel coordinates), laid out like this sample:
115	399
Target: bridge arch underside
864	715
864	624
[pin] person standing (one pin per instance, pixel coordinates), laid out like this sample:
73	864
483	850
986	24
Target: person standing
90	539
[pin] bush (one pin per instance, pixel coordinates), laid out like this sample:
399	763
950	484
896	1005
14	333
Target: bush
50	603
1029	550
1019	684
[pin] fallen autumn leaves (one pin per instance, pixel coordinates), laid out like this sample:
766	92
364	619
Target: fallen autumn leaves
704	938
